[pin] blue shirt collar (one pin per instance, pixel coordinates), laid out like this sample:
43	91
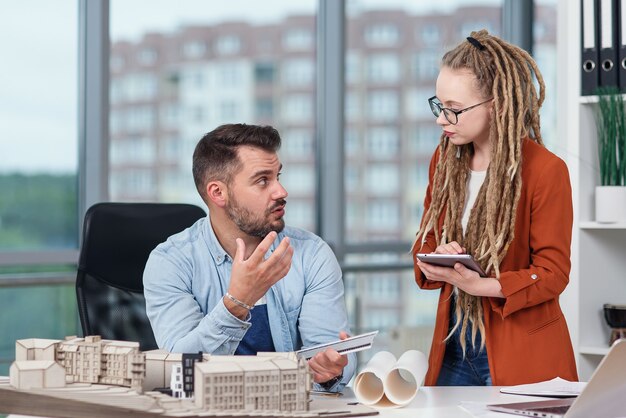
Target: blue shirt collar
215	248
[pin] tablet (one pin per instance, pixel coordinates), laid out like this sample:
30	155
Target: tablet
349	345
449	260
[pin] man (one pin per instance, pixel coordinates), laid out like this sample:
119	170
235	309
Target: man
239	281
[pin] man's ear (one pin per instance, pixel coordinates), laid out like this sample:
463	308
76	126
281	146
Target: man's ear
217	193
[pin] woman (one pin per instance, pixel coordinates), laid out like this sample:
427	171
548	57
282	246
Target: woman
495	192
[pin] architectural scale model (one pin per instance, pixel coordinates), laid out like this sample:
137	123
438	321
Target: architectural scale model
267	383
181	382
86	360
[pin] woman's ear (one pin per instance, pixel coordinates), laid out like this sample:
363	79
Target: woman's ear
217	192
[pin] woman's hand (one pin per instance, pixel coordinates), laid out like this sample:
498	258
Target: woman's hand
460	276
450	248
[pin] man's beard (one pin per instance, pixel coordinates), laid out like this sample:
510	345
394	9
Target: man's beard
248	223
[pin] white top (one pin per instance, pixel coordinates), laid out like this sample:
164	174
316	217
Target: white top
475	180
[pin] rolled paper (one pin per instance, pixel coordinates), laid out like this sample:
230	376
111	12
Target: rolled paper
386	382
368	385
406	377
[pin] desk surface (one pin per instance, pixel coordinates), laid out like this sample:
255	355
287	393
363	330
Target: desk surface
442	402
430	402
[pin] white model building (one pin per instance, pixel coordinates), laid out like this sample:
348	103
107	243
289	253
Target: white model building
176	381
93	360
265	383
268	382
88	360
159	365
36	374
35	349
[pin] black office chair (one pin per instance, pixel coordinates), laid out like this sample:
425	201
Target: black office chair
117	240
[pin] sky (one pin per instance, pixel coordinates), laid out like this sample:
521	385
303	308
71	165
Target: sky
38	75
161	16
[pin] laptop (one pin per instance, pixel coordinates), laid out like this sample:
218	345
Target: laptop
603	397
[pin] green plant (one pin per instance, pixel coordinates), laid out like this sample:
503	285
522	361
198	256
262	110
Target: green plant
611	124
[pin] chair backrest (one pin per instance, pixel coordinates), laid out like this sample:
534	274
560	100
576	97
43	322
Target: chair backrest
117	240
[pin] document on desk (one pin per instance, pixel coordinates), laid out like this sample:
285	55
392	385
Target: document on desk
555	388
349	345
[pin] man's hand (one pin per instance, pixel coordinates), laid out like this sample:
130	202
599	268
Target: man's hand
250	279
328	364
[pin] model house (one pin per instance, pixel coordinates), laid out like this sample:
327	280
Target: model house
36	374
35	349
267	382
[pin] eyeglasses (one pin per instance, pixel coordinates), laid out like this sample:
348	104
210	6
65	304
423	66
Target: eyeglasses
451	115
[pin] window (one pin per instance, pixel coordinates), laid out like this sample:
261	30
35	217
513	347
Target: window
382	35
427	65
383	215
264	108
298	72
298	108
414	108
353	69
297	143
382	143
38	169
264	72
194	49
298	39
429	34
147	56
384	179
352	106
383	105
298	180
383	68
228	45
216	64
230	74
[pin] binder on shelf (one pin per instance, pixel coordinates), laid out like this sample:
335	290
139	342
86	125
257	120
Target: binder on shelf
621	36
608	43
589	47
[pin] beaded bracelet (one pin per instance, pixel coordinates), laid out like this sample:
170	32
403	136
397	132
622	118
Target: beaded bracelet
238	302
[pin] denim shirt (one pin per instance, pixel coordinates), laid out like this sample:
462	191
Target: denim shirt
187	276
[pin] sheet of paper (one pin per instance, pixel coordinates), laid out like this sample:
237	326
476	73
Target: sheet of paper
349	345
555	388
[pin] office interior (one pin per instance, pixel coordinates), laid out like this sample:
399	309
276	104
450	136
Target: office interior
104	100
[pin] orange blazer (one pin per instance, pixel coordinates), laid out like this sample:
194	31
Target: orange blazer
527	338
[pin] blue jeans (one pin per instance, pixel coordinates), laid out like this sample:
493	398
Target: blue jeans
473	370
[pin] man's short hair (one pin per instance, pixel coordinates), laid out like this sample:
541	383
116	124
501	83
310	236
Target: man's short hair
215	156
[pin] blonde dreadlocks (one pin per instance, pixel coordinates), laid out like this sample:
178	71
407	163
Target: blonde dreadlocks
504	72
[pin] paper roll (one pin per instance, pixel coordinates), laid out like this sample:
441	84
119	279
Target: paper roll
368	385
385	382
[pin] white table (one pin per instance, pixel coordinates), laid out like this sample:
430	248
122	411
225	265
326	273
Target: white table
442	402
437	402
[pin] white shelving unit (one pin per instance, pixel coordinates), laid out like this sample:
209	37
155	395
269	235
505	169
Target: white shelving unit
598	249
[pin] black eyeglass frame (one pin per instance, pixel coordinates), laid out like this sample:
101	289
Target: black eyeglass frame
437	109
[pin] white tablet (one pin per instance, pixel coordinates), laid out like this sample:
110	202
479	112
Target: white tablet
449	260
349	345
